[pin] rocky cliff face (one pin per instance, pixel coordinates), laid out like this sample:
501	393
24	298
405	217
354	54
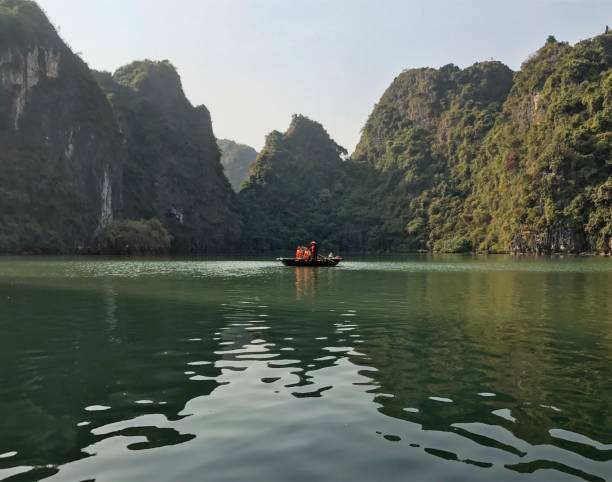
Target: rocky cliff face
423	137
426	105
481	160
173	170
60	162
544	174
237	160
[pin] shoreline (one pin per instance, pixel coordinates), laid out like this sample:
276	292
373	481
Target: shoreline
274	255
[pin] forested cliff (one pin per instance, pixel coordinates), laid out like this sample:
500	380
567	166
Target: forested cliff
172	171
298	188
423	137
134	171
480	159
543	179
61	149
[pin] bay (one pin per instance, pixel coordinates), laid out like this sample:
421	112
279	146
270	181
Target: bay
411	368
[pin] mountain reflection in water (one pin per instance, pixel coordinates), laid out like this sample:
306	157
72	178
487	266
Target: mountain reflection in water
422	368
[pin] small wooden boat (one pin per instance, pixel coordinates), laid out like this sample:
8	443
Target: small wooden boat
313	262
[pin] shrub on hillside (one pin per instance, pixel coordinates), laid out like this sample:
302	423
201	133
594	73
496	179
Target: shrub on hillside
130	237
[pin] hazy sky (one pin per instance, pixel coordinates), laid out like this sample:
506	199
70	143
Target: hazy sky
256	62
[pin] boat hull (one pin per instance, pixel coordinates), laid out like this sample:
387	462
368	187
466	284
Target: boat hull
328	262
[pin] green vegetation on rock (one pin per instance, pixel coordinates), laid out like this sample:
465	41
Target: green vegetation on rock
73	159
453	160
128	237
60	146
172	171
423	136
301	188
544	175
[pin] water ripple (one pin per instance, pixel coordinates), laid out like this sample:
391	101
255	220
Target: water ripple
420	369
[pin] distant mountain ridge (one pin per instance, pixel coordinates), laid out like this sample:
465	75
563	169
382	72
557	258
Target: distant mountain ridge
293	188
237	160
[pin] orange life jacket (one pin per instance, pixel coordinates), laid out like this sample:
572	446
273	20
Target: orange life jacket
307	254
298	253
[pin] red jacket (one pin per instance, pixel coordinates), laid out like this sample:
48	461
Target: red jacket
314	250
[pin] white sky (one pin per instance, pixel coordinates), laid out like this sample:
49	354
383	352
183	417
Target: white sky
253	63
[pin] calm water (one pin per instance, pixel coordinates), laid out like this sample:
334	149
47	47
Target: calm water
443	368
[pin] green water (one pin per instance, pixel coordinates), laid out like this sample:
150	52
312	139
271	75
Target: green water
416	369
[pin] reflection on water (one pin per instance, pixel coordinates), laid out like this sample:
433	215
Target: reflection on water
421	369
305	282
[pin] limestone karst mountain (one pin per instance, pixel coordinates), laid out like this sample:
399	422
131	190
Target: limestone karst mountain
61	149
424	136
543	179
294	187
172	171
450	159
457	160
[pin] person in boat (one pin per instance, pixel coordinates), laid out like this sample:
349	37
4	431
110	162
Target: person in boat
307	254
299	252
314	250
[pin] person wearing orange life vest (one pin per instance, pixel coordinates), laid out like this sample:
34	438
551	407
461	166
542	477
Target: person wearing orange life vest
298	252
307	254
